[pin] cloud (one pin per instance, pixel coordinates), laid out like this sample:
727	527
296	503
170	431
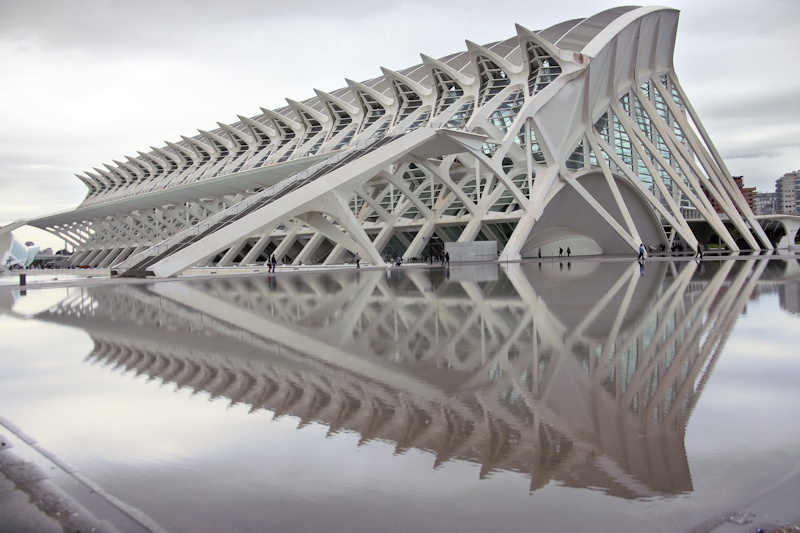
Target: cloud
150	24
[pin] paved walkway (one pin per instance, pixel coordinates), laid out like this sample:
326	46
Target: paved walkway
95	277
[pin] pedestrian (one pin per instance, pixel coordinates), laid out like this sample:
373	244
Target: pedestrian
540	252
560	252
569	252
358	260
447	258
641	252
699	253
274	262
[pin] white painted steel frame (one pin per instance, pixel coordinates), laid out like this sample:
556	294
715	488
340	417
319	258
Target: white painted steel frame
562	112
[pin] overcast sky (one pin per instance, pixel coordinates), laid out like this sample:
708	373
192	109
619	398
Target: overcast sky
88	82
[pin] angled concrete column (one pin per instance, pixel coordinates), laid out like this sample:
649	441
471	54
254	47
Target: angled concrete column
791	227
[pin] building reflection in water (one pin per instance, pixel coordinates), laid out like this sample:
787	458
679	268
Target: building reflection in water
584	376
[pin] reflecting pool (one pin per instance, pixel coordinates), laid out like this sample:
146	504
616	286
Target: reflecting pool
582	396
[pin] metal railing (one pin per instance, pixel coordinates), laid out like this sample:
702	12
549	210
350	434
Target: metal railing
120	195
157	188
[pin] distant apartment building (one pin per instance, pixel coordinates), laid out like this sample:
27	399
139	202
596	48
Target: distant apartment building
786	187
749	194
766	203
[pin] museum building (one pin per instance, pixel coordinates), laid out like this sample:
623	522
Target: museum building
575	136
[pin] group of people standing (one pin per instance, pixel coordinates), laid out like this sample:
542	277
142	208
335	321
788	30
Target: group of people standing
273	263
642	251
560	252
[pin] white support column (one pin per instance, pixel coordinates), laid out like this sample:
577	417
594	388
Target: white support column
259	246
478	178
111	257
724	178
426	230
512	251
679	151
529	157
688	236
633	240
132	237
792	227
447	181
480	218
288	240
612	184
90	259
233	251
97	262
634	133
64	233
334	203
125	253
312	245
79	257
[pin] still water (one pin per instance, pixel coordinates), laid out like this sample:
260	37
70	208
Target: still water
584	396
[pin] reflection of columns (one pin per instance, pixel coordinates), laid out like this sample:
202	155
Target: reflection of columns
670	305
730	307
493	373
550	329
688	331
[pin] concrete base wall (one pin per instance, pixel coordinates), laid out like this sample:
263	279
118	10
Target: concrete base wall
471	251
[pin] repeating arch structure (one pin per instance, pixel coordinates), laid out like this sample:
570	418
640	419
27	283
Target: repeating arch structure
576	135
496	369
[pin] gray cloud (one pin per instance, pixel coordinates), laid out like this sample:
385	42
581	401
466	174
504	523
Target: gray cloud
153	23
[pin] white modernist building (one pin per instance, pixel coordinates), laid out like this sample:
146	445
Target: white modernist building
578	135
15	254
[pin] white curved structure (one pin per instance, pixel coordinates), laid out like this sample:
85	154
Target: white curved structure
578	135
13	253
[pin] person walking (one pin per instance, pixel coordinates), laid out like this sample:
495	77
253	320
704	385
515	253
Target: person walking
358	260
274	263
569	252
560	252
540	252
699	253
446	261
641	252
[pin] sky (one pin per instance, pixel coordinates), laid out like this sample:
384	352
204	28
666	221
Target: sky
85	83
